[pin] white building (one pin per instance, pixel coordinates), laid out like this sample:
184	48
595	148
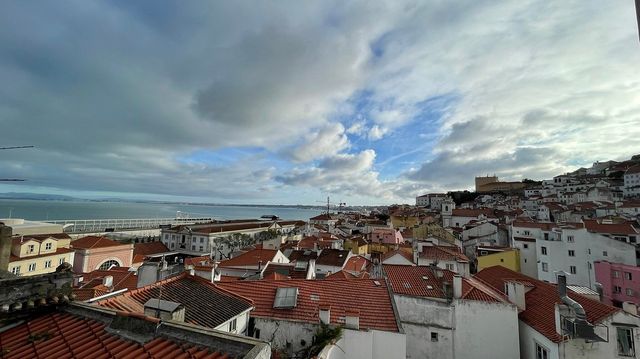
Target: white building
547	322
289	313
441	320
632	182
572	248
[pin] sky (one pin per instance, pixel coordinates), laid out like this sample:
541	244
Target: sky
287	102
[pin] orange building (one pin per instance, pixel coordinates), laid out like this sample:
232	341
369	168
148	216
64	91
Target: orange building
93	253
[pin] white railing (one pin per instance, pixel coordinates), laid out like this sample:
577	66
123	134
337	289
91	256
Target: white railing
115	224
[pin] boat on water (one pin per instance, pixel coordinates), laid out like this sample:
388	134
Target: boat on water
270	217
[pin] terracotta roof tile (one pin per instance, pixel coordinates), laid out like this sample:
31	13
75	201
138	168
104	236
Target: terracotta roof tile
284	270
593	225
250	258
95	242
373	300
541	301
333	257
64	335
400	252
443	253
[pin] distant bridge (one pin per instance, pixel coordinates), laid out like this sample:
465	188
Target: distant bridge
123	224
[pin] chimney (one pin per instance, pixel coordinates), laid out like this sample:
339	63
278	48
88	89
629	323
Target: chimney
630	308
107	281
516	293
599	290
457	286
324	313
164	310
5	246
352	319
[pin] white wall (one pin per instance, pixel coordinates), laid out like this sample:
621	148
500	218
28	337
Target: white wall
485	330
528	338
242	321
419	318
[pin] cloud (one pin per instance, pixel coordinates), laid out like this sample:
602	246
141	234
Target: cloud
115	95
327	141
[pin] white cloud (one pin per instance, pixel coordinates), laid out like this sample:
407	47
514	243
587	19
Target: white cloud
376	133
325	142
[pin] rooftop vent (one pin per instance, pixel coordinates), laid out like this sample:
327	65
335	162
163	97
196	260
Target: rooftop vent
164	309
286	298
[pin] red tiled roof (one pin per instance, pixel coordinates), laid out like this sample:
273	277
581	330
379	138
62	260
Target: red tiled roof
64	335
322	217
251	258
150	248
415	281
332	257
39	237
205	304
592	225
473	212
343	274
373	300
400	252
541	300
95	242
357	264
540	225
121	279
443	253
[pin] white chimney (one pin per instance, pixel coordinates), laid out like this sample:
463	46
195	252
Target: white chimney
324	313
516	293
352	319
107	281
630	308
457	286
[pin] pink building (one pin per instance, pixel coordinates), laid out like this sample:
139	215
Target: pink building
620	282
92	253
386	236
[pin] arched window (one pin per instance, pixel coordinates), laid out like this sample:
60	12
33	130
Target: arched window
108	264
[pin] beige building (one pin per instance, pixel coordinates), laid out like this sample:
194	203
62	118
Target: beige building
39	254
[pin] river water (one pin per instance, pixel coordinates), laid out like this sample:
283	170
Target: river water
52	210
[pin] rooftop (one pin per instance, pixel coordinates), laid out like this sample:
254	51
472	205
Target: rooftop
370	296
443	253
206	304
253	258
541	300
91	242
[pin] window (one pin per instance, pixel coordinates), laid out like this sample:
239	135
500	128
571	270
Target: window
173	245
108	264
47	264
589	250
15	270
572	269
629	292
604	253
541	352
617	289
60	261
201	248
616	274
32	267
627	275
526	246
572	253
570	239
543	250
626	346
450	266
286	298
545	267
48	246
193	247
546	236
527	233
201	239
166	236
31	248
434	336
590	266
232	326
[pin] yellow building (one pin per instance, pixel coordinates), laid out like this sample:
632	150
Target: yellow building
39	254
491	256
433	230
357	245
